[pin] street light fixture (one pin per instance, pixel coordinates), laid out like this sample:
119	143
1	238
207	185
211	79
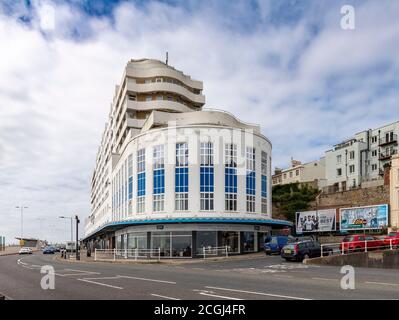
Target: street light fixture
71	218
22	219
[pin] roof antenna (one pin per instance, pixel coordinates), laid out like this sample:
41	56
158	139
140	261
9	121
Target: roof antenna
167	57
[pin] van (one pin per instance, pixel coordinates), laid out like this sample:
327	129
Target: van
274	244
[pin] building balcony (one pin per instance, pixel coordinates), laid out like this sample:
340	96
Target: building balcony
392	139
167	105
387	155
165	87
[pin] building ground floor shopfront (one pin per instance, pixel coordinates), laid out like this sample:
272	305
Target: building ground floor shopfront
185	240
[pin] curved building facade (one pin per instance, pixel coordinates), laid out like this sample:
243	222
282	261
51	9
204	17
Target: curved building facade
173	175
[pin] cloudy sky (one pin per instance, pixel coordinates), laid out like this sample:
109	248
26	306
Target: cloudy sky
287	65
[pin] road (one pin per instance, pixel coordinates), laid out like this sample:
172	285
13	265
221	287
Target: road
248	279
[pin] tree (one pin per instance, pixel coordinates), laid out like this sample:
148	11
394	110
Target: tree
291	198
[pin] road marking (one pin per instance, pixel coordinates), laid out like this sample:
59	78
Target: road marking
217	296
100	283
382	283
325	279
281	277
146	279
82	271
78	273
101	278
260	293
165	297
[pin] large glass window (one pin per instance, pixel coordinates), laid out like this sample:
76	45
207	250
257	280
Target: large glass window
249	241
206	176
181	244
161	240
230	176
250	179
207	239
130	179
137	240
181	177
173	244
159	178
140	181
181	201
264	182
231	239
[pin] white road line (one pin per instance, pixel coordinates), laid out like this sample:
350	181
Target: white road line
102	278
217	296
101	284
325	279
146	279
282	278
82	271
165	297
260	293
382	283
74	274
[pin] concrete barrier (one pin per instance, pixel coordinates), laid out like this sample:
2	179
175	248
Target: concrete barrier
388	259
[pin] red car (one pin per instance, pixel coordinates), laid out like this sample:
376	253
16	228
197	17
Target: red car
357	243
392	237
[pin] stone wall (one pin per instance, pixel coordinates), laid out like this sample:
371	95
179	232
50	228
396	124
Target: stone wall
345	199
388	259
353	198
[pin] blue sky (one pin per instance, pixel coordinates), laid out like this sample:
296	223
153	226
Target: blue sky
286	65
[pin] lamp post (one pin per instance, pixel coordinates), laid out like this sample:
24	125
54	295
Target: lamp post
22	219
77	238
71	218
41	230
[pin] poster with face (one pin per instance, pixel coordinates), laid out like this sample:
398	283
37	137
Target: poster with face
371	217
315	221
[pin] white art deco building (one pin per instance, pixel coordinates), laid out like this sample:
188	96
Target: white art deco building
173	175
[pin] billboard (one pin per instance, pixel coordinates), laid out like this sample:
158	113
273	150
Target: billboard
371	217
315	221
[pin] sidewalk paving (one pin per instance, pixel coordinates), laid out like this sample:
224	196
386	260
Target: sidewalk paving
179	261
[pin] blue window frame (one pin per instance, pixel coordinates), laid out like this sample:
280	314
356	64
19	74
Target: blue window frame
141	184
264	186
206	179
181	179
250	187
159	181
230	180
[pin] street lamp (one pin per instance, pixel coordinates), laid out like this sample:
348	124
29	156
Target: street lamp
22	219
71	218
41	230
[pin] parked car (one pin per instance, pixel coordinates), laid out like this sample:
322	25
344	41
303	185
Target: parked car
358	242
274	244
392	238
25	250
303	249
48	250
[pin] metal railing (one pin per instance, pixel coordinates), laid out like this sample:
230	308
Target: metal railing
215	251
388	139
125	254
387	154
343	248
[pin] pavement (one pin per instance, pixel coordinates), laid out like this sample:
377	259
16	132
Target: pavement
260	277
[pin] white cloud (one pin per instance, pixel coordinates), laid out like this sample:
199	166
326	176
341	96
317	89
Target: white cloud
307	89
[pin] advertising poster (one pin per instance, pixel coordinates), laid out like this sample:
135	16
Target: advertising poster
371	217
315	221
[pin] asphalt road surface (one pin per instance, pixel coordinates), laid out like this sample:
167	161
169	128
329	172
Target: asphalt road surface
248	279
